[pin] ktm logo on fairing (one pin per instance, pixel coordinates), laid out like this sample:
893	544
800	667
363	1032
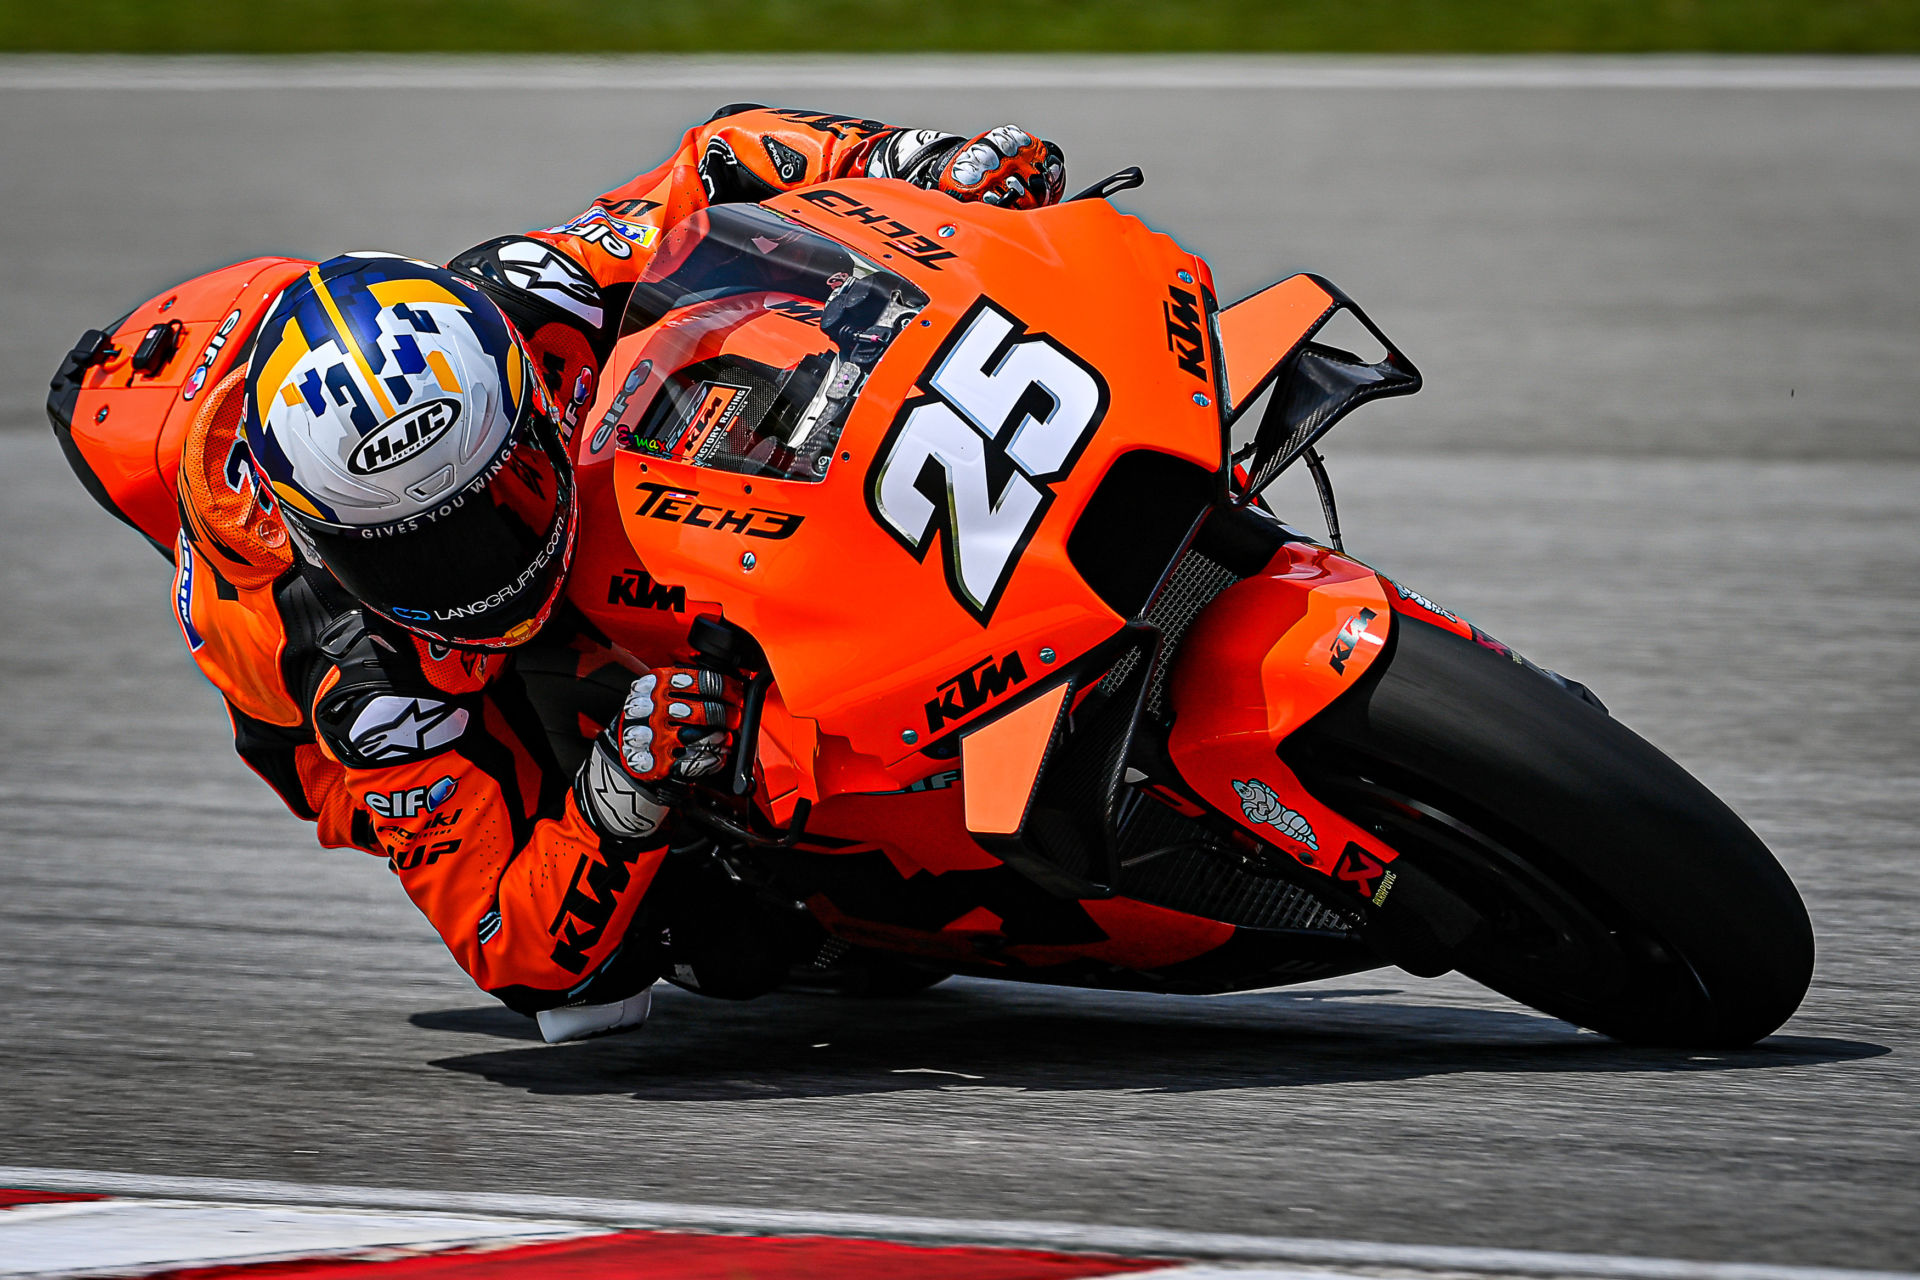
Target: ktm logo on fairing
1343	644
962	695
636	589
974	460
1184	336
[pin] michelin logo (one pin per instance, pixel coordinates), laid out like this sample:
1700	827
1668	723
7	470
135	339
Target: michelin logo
1407	593
1260	804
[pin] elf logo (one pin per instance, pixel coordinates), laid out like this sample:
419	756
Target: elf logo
198	378
407	803
403	437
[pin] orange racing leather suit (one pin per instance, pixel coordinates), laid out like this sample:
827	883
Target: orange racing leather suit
458	767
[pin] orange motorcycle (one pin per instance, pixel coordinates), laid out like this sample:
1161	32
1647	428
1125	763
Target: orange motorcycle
1039	688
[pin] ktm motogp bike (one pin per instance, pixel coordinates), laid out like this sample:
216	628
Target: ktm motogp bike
1039	689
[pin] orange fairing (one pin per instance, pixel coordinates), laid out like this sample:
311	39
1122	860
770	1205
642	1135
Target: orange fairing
1259	332
124	428
881	625
1265	656
1000	761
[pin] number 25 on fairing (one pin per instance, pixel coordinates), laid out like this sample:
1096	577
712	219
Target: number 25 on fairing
1006	412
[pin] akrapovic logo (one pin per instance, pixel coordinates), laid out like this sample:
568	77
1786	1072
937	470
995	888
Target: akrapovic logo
402	437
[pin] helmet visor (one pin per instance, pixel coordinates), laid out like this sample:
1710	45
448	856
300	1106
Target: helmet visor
483	563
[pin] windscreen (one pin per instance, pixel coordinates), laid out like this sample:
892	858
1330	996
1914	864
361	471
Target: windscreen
772	332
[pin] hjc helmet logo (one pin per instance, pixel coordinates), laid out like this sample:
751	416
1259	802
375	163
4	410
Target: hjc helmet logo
403	437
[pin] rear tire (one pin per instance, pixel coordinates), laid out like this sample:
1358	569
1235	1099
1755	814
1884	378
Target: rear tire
1604	884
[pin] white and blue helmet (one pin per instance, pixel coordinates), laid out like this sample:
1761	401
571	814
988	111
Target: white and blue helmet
395	414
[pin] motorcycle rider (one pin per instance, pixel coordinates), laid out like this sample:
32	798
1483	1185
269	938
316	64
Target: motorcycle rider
378	515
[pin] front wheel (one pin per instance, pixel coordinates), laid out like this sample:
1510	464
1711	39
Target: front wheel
1579	870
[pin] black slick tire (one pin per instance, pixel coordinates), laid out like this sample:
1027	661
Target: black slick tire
1603	883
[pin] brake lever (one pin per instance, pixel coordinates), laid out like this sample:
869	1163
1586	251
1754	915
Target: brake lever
1111	185
728	649
746	744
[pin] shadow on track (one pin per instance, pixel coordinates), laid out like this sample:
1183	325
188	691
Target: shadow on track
976	1035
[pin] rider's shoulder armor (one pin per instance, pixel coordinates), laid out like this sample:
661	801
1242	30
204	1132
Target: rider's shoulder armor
537	285
387	697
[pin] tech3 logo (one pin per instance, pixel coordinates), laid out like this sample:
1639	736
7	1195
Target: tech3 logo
898	235
1007	412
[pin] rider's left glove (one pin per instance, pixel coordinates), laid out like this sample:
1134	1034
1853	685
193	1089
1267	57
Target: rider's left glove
1005	166
676	724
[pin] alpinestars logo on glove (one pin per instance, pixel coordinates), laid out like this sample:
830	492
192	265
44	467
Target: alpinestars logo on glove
1003	402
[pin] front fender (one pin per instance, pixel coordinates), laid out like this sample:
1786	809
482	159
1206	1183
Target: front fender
1268	654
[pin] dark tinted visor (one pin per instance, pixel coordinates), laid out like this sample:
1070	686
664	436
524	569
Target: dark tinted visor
481	563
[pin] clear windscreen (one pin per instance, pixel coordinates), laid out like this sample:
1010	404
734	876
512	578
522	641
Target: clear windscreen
767	332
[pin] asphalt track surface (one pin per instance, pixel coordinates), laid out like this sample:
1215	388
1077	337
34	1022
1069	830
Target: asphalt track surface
1668	448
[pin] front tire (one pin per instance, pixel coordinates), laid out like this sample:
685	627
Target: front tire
1600	882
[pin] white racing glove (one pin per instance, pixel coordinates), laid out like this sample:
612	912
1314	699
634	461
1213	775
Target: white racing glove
677	723
1005	165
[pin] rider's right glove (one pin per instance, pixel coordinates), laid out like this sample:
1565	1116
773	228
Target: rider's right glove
677	724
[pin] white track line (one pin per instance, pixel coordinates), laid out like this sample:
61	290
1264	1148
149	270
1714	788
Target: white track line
1072	1237
118	1236
948	72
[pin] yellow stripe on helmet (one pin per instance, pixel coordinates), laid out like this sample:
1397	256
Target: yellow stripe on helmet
346	340
297	500
293	345
443	372
389	292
